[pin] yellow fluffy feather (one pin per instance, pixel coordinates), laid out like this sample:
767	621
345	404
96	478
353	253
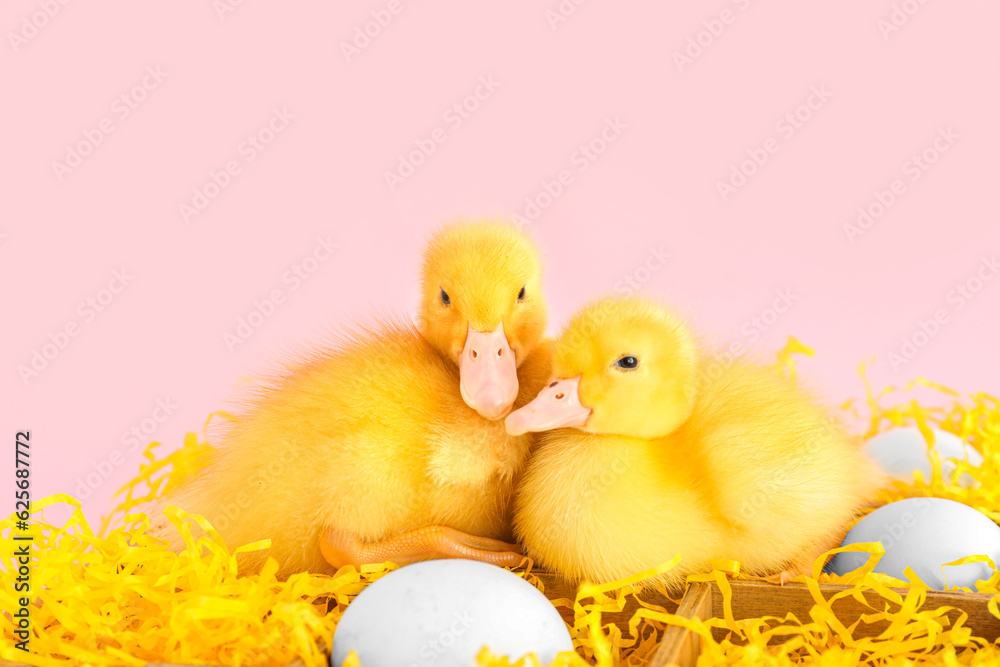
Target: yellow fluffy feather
685	454
370	435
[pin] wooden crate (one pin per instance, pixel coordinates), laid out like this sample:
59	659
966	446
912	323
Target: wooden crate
556	588
753	599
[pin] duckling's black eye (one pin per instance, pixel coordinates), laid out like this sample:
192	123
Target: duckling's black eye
520	295
445	299
628	363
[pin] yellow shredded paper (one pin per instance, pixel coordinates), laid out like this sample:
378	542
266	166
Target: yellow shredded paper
119	597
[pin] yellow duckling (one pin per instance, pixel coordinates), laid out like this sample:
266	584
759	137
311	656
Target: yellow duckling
661	450
389	445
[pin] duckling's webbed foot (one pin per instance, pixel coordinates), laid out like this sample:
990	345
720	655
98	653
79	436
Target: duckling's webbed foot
341	548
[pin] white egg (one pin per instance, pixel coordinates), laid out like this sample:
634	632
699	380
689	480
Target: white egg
442	612
924	534
902	450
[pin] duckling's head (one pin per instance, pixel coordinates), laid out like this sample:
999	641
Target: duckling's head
622	365
482	307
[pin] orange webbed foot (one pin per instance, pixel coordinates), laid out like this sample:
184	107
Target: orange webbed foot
340	548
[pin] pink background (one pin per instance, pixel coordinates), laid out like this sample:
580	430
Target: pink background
556	85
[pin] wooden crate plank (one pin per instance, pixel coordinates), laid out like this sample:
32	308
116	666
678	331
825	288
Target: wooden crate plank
680	646
556	587
753	599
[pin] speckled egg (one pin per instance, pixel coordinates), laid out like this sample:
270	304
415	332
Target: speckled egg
902	450
924	534
442	612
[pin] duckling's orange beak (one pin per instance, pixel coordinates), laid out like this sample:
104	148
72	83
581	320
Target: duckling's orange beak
556	406
488	372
